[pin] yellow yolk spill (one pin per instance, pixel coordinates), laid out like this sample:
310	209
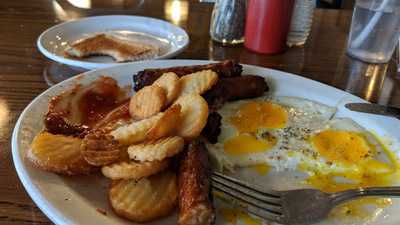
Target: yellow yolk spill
349	150
261	169
371	174
233	215
357	208
229	215
342	146
254	115
247	143
248	220
363	178
349	147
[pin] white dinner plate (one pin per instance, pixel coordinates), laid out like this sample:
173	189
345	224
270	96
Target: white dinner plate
74	200
169	38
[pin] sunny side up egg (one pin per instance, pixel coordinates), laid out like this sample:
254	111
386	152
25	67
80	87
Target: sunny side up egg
268	130
295	134
353	157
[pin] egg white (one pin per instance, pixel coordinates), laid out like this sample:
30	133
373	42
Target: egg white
293	150
295	161
304	117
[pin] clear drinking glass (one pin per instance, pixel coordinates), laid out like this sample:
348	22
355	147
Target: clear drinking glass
300	27
375	30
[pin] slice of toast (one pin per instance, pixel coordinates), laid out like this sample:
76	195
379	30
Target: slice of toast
121	50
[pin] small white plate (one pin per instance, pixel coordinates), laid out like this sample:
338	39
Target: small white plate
74	200
169	38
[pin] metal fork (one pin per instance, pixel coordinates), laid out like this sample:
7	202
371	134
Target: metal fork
295	207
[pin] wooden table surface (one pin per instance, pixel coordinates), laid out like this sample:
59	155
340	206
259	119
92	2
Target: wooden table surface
323	58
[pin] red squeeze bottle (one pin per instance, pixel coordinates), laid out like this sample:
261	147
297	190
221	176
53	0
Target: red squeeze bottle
267	25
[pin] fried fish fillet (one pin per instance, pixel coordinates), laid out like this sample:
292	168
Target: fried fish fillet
107	44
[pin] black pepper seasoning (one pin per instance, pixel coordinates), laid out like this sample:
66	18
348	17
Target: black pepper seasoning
227	21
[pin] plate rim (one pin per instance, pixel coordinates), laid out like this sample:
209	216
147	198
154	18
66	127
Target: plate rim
54	213
45	206
95	65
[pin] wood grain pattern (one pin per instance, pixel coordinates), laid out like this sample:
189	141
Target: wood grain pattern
323	59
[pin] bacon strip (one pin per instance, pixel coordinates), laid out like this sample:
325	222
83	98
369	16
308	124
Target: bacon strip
146	77
195	204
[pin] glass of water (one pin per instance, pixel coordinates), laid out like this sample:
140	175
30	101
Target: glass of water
375	30
301	22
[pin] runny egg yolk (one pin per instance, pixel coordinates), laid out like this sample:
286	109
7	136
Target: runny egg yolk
251	117
342	146
369	172
262	114
364	176
356	208
247	143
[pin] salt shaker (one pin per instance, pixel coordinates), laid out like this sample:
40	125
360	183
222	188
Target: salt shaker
227	21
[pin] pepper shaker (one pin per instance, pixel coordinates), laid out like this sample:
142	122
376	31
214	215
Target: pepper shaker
227	21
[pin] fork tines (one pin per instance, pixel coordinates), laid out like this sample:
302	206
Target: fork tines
265	204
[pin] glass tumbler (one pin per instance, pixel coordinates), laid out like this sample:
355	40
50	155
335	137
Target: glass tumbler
302	18
375	30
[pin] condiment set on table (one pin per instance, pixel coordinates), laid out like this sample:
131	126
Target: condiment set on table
266	27
269	26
